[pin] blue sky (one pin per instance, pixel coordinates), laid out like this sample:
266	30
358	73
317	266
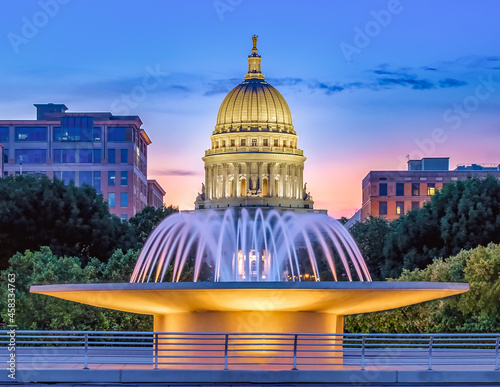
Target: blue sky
368	82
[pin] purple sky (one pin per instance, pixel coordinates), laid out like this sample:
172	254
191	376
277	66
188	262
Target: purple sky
368	82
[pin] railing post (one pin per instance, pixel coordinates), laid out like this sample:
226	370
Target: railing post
294	353
226	345
363	353
156	350
431	340
497	361
86	365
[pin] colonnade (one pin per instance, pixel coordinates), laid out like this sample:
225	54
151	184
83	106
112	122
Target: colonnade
258	179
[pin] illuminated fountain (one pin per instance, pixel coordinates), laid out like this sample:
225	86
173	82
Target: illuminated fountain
262	247
253	241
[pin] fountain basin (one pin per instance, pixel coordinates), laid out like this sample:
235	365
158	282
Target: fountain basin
215	306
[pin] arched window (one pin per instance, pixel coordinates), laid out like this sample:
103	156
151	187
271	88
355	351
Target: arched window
243	188
264	187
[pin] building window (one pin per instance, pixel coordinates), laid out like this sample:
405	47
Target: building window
400	208
415	189
111	178
124	156
123	217
431	189
233	143
400	189
96	134
31	156
254	142
284	143
266	142
4	134
382	189
5	156
31	134
63	156
67	176
117	134
74	129
85	156
276	142
111	199
415	205
124	199
123	178
111	156
97	156
243	142
223	143
97	181
85	177
382	208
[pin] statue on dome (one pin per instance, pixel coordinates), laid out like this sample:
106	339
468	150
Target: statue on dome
201	196
306	195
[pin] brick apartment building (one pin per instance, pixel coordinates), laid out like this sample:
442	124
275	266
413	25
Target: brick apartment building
392	193
105	151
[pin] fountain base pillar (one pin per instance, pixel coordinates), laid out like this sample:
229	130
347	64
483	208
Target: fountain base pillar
243	349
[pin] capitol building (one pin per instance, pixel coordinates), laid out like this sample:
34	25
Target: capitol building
254	159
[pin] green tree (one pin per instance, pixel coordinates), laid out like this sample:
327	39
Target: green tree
370	237
36	311
71	220
146	220
463	215
477	310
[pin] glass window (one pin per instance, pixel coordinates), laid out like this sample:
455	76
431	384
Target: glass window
415	205
96	133
85	155
382	189
124	178
111	199
276	142
382	208
111	177
243	142
124	156
85	177
5	156
97	181
31	156
123	216
97	156
254	142
124	199
233	143
68	176
431	189
75	128
111	156
64	156
31	134
400	208
4	134
265	142
415	189
400	189
117	134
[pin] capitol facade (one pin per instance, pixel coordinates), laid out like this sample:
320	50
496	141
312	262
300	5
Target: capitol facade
254	159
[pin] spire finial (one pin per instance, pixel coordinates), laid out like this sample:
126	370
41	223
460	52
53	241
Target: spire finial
254	62
254	39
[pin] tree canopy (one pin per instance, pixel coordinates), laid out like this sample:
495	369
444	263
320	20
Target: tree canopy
478	310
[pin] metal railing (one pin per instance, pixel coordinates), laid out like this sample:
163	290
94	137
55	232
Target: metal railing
229	351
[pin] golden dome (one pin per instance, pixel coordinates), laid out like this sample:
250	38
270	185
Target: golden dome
254	105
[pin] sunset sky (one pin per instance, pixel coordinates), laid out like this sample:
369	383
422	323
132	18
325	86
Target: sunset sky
367	82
